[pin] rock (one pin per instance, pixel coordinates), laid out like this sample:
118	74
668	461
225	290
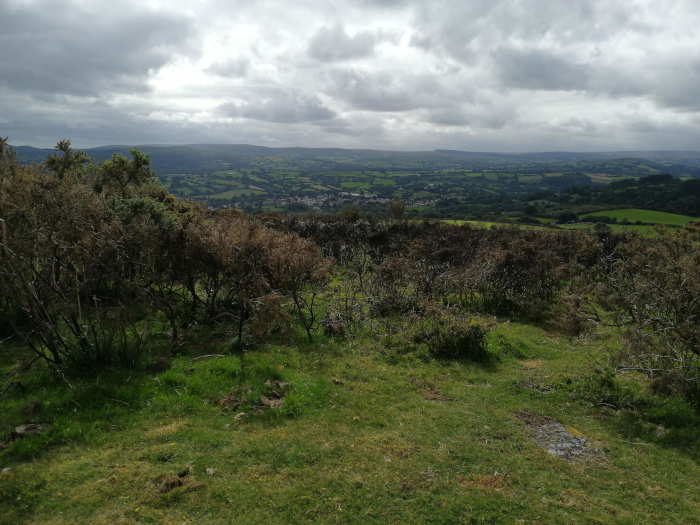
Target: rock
31	429
267	402
557	440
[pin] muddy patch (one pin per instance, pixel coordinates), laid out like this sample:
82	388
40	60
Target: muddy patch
560	441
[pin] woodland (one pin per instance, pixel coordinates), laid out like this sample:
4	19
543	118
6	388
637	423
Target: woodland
104	272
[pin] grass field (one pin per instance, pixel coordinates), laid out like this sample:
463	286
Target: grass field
369	432
646	216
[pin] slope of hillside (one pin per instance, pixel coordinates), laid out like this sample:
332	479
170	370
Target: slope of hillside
364	433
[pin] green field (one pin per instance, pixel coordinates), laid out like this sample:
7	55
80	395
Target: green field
354	185
646	216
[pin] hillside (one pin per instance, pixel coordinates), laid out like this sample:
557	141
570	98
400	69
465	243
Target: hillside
162	362
367	433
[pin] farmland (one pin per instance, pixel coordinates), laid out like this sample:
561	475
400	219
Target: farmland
437	184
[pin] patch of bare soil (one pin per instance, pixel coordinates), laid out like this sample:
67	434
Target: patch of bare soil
182	480
532	364
558	440
432	394
497	482
170	483
232	401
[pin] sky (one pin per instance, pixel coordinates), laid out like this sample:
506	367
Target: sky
472	75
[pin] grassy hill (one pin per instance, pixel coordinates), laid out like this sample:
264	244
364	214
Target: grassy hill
367	433
161	362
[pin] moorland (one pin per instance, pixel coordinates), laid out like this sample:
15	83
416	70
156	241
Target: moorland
165	361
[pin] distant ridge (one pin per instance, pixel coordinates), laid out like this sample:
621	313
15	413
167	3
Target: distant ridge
206	158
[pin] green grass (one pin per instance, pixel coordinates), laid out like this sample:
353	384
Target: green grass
647	216
233	183
353	185
235	193
356	440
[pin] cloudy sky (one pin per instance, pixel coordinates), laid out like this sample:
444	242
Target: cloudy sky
476	75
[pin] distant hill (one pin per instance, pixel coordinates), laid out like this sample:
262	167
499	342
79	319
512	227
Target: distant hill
205	158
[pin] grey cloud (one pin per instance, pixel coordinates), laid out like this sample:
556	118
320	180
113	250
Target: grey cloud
465	31
279	106
678	85
484	116
537	69
384	92
233	68
359	127
331	44
451	28
86	49
577	126
487	74
383	3
497	118
448	117
620	81
642	126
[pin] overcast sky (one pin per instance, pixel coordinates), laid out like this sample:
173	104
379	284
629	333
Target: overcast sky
476	75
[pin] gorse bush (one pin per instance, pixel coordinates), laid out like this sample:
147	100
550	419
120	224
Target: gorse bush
459	338
92	253
649	288
66	262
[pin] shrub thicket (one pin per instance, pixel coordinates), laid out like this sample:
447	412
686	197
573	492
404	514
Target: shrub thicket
94	254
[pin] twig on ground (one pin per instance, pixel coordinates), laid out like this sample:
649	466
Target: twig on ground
207	356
